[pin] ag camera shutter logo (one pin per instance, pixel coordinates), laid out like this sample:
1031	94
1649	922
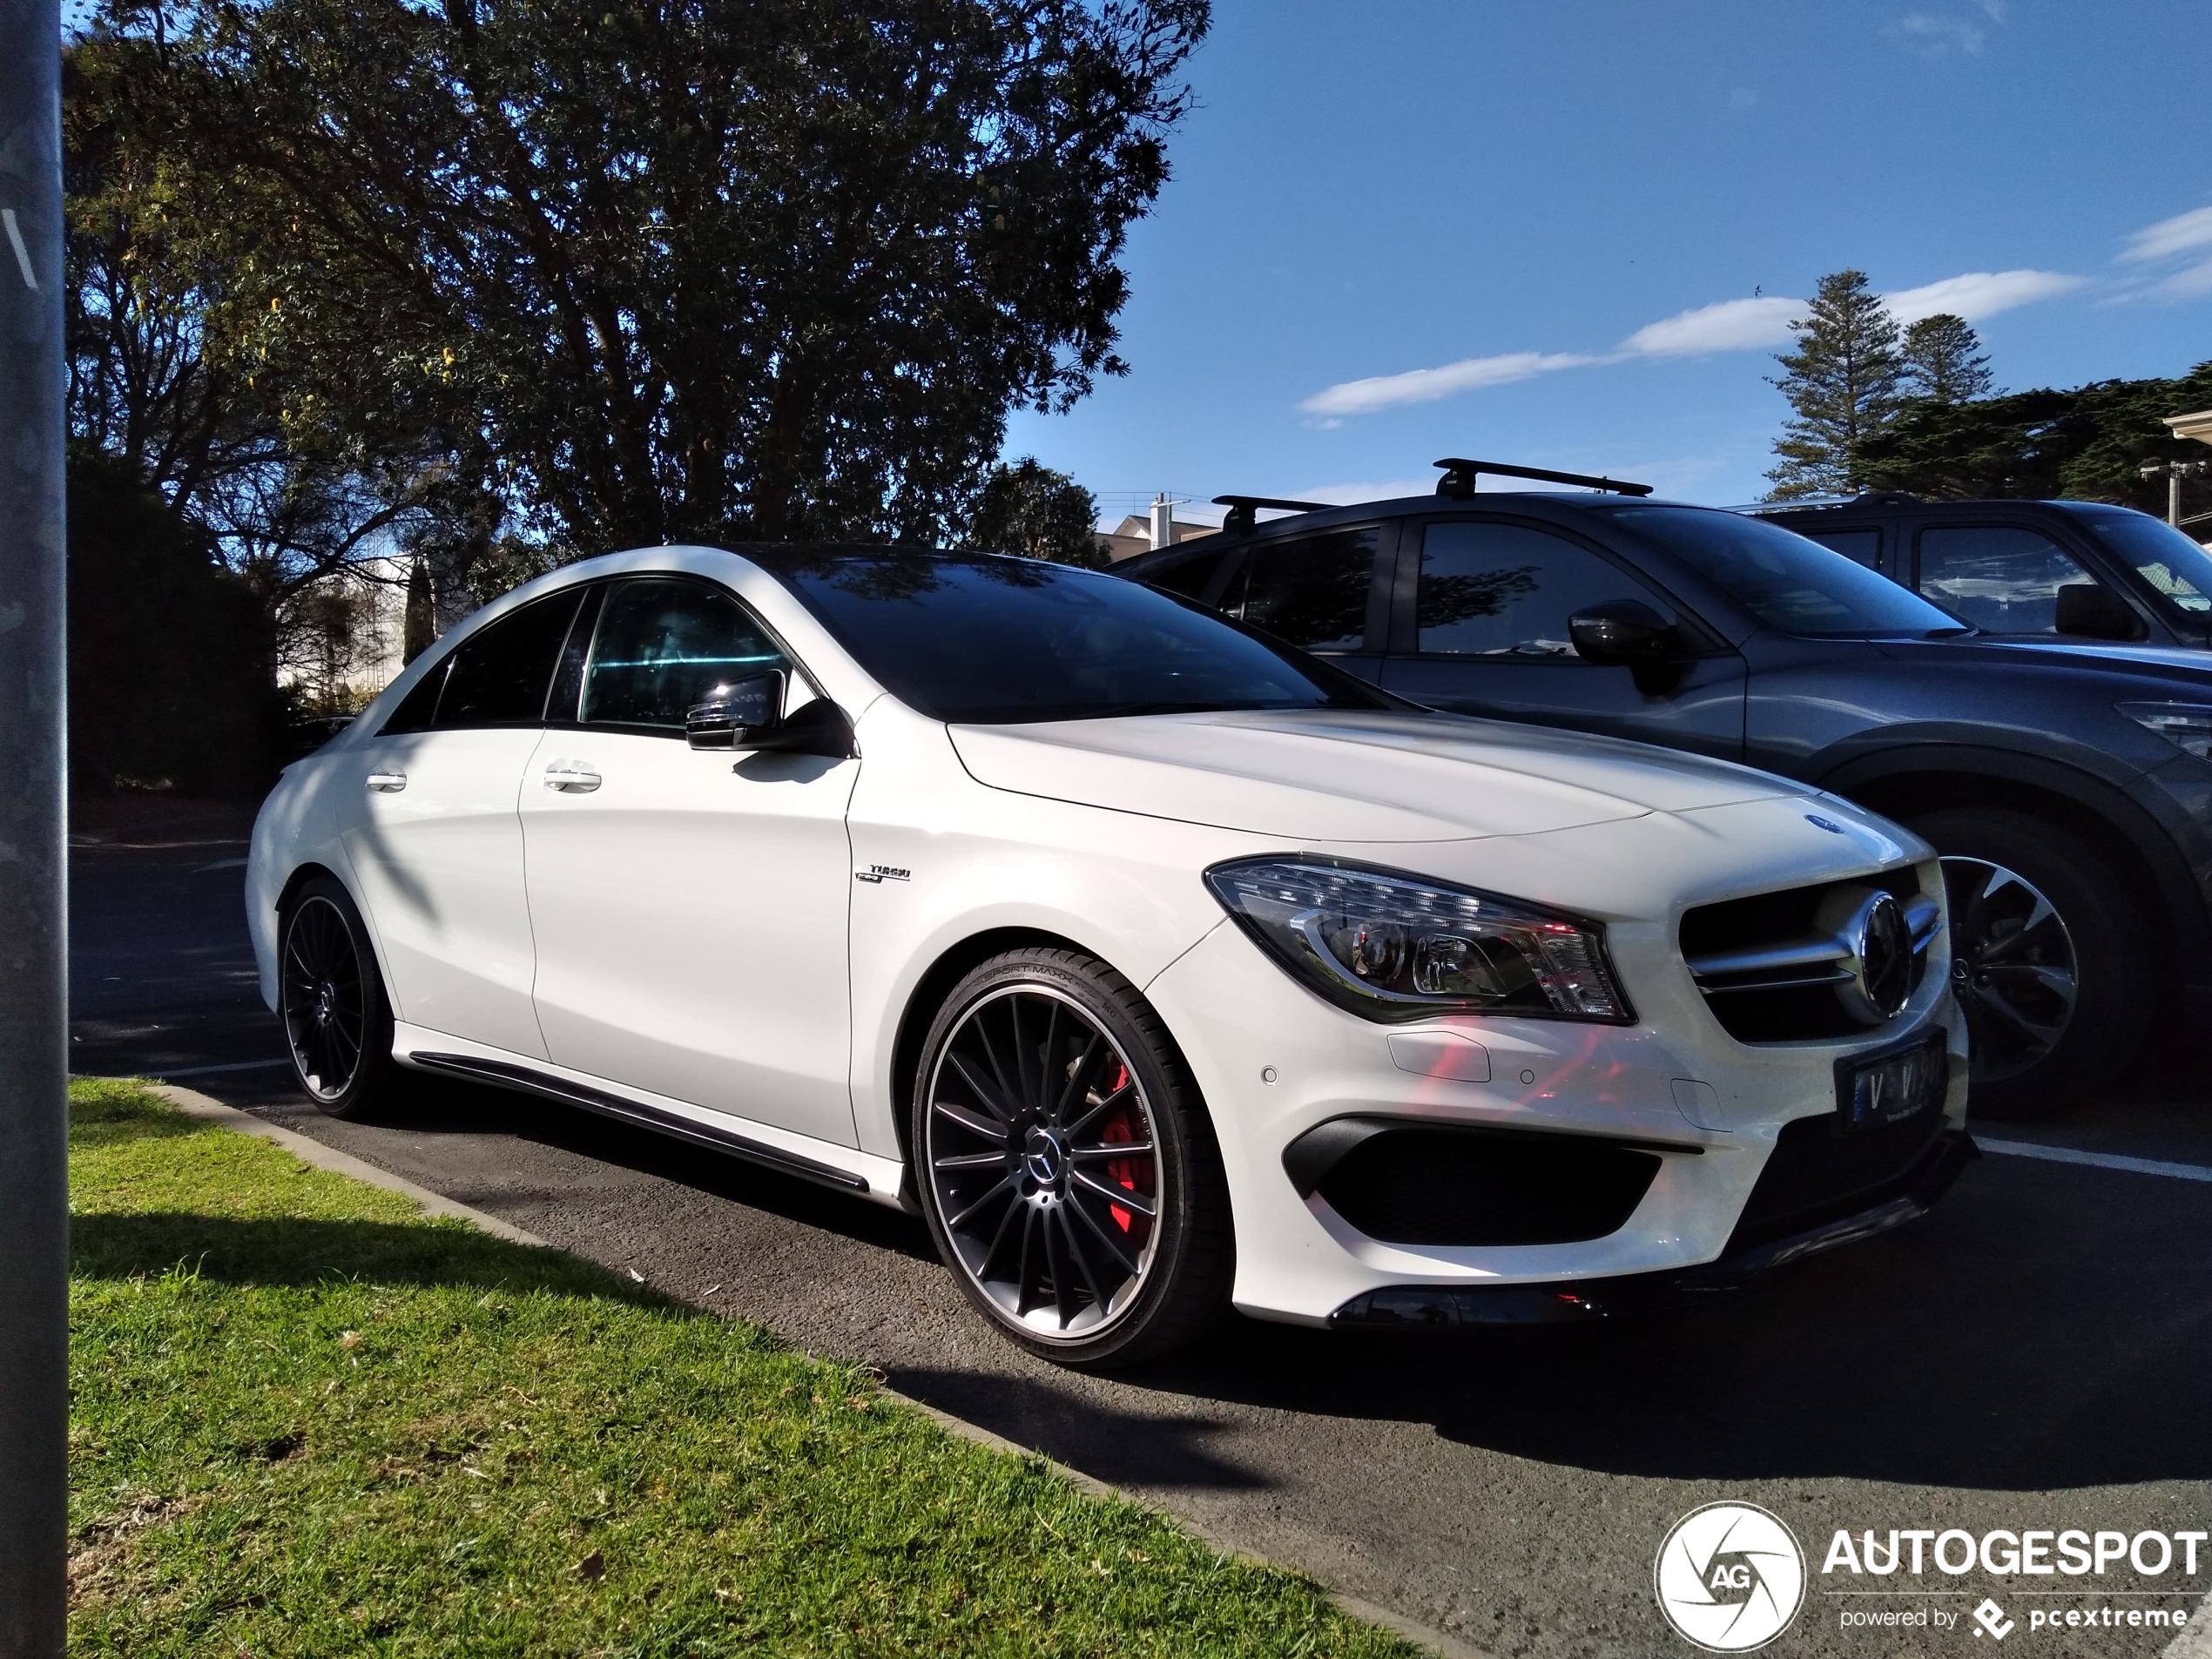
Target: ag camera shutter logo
1730	1577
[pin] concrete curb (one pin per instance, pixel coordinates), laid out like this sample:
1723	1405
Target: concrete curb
308	1151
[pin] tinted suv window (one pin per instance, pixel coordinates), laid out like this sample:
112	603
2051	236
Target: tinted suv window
1490	590
2002	577
662	645
1311	591
1187	575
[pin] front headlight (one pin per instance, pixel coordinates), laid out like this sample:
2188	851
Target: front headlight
2188	726
1402	947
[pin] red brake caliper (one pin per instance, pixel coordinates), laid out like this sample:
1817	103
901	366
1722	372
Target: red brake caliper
1121	1171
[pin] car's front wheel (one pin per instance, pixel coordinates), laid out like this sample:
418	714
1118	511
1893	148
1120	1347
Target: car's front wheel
337	1019
1066	1164
2049	959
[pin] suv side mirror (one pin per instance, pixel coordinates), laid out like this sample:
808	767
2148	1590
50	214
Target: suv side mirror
2091	611
737	715
1620	630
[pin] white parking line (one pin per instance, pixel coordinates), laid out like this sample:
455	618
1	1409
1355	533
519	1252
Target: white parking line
2095	1160
209	1071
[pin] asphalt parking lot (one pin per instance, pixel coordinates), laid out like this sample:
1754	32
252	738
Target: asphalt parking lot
2037	1353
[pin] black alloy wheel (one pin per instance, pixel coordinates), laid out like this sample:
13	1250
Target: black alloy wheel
337	1021
1066	1171
2050	959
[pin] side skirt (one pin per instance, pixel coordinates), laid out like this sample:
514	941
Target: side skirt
506	1074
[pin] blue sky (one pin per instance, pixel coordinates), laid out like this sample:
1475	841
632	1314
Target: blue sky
1590	218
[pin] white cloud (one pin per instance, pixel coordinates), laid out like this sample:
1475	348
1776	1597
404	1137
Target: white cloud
1370	490
1427	385
1980	294
1934	35
1733	325
2191	284
2170	236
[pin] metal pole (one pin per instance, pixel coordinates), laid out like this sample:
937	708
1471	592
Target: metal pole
2174	494
34	1008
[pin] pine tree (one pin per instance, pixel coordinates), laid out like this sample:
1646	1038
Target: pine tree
1843	382
1944	361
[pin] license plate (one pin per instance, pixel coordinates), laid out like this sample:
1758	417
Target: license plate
1890	1088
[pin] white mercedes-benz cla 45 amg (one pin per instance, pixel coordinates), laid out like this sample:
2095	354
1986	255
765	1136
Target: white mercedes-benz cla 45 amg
1159	966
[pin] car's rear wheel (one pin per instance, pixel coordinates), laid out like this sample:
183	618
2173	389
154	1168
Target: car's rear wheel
1065	1162
337	1019
2050	959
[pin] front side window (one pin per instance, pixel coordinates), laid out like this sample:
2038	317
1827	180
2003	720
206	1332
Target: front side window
1500	589
662	646
1311	591
2003	577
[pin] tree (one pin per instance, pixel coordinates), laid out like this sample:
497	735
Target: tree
1842	382
2089	443
1030	510
688	271
1942	360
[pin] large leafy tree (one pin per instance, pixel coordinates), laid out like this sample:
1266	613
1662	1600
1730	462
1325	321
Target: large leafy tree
670	270
1030	509
1842	380
2090	442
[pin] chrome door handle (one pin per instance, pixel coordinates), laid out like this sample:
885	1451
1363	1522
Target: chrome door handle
571	777
387	783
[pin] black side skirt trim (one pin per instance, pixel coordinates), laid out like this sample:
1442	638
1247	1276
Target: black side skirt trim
537	1082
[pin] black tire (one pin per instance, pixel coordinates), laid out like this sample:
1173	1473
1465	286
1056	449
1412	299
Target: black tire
1039	1067
2036	1052
330	997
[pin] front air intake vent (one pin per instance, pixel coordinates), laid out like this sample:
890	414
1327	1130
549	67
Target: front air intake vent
1811	963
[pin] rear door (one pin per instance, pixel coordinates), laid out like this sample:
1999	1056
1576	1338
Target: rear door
1482	628
437	852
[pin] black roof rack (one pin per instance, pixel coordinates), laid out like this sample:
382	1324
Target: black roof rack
1243	510
1459	477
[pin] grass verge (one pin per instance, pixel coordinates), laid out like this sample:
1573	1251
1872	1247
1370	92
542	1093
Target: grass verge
306	1419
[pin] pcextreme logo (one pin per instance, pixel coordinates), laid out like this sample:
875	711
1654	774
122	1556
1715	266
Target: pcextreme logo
1730	1577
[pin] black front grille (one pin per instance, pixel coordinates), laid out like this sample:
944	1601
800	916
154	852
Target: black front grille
1427	1185
1807	1012
1818	1174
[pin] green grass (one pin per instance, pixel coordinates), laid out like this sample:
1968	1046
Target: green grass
308	1420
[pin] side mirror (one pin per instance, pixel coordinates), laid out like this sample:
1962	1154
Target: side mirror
2091	611
1620	630
737	715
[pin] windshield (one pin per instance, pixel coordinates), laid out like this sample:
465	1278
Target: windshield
978	639
1786	580
2175	567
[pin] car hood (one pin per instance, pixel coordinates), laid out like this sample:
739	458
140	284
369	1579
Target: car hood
1330	775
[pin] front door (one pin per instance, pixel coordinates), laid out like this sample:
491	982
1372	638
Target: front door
1492	599
438	853
690	904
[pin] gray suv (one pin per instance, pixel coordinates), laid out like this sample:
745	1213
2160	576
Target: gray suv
2066	782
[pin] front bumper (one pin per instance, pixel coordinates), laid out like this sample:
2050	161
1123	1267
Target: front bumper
1425	1307
1274	1062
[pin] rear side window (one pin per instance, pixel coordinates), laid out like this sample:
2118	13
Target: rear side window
1187	576
1312	591
1498	590
1860	547
2003	577
663	646
500	674
497	677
